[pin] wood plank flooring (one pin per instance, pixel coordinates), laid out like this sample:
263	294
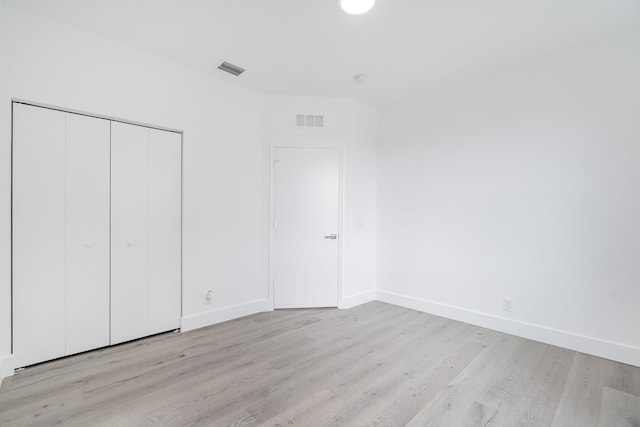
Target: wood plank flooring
376	364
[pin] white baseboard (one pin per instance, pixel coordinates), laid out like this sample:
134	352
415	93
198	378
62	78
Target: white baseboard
572	341
357	299
6	367
223	314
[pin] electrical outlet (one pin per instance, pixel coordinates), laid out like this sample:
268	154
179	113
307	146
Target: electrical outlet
507	305
208	297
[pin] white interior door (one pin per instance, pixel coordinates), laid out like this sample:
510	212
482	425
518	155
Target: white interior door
38	234
129	231
165	229
306	219
87	233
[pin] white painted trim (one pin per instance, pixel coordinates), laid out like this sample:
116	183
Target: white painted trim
342	236
341	208
6	367
270	266
223	314
358	299
97	116
570	340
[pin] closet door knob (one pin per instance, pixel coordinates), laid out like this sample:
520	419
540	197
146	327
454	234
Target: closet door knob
130	243
87	244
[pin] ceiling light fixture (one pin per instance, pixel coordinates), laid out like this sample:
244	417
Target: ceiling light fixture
356	7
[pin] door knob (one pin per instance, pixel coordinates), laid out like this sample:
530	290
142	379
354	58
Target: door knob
87	244
331	236
130	243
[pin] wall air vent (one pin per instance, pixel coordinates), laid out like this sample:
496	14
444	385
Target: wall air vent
231	69
309	121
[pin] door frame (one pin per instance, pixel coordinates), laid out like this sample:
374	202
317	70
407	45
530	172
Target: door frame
272	194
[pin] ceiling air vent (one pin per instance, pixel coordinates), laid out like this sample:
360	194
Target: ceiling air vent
309	121
231	69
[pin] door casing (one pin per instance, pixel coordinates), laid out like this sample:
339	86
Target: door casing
341	234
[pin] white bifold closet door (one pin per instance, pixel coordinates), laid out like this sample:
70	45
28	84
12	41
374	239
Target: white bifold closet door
87	230
165	230
146	228
38	239
60	233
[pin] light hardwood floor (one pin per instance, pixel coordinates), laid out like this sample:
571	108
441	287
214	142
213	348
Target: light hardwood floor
375	364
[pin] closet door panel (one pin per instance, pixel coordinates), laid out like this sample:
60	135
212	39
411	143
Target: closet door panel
38	234
129	231
164	230
87	231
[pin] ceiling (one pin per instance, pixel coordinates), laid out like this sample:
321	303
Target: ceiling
311	47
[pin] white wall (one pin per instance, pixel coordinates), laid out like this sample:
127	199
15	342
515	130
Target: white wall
521	184
5	210
352	126
225	217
